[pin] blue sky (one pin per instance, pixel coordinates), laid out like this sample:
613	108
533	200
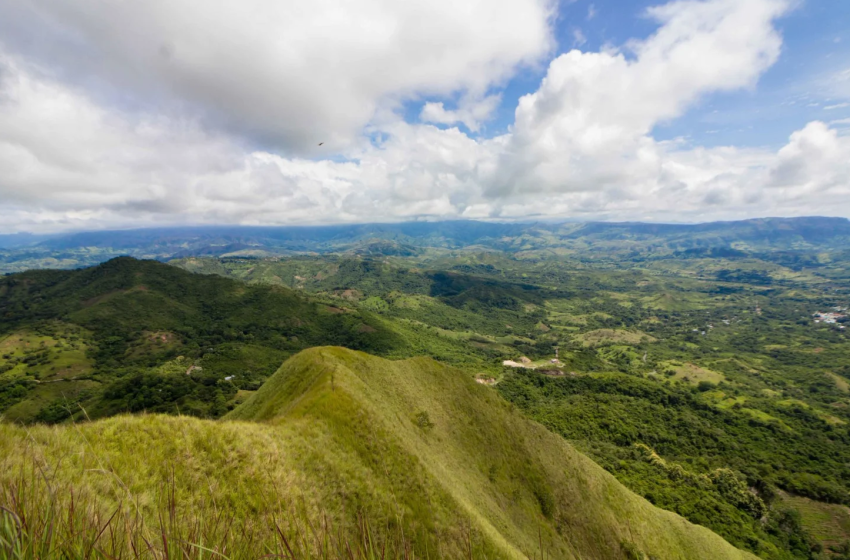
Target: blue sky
794	91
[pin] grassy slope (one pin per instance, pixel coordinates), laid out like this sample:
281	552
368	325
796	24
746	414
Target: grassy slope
828	523
509	475
341	432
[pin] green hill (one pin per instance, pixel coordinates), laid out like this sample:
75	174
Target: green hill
336	441
130	335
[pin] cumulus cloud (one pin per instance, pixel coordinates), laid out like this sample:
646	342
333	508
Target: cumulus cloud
73	155
814	162
589	123
286	74
470	112
66	161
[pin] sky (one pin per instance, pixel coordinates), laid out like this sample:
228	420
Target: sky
119	114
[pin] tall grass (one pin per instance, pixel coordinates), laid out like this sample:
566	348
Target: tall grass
315	470
41	519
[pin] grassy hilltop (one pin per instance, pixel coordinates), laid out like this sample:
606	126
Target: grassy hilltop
334	438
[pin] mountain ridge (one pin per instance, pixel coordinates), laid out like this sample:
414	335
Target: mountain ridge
420	402
584	238
411	441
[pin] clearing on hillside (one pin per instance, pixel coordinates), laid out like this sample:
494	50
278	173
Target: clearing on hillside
613	336
693	373
828	523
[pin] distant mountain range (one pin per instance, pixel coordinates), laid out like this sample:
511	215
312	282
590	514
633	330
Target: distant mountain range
591	240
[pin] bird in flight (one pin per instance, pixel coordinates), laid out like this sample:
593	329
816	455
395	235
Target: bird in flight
320	143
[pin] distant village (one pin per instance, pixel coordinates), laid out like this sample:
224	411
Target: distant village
831	317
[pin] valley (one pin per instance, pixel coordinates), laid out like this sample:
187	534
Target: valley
712	384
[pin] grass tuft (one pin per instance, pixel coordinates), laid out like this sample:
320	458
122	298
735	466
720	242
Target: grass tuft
42	519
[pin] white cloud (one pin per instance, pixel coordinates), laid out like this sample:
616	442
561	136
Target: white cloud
67	162
578	37
581	145
60	152
471	112
588	125
814	161
837	84
288	74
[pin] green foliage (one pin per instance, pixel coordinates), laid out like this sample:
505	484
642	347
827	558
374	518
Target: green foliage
704	386
14	391
606	415
423	420
166	393
133	316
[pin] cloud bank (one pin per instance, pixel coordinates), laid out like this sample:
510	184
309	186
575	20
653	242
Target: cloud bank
162	112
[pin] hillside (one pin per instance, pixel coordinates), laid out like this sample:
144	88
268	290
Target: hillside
129	335
718	366
345	436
